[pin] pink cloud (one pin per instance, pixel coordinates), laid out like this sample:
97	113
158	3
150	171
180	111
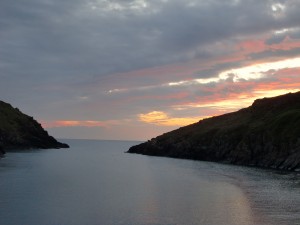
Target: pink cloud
77	123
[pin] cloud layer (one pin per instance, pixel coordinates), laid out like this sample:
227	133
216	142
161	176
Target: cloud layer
105	63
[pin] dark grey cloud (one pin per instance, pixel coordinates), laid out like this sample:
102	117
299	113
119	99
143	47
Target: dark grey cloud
295	34
279	36
276	39
70	38
295	52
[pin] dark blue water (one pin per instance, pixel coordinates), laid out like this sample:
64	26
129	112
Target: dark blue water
96	183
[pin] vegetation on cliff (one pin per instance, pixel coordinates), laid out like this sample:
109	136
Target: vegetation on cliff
19	131
266	134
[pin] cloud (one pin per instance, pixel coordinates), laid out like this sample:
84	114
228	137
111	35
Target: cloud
162	119
231	96
76	123
256	71
250	72
280	35
95	61
105	37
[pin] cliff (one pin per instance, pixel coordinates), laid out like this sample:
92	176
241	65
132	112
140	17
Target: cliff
266	134
19	131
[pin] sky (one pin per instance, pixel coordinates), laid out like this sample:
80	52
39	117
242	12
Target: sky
135	69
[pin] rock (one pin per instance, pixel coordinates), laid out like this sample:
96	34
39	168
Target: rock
2	152
19	131
266	134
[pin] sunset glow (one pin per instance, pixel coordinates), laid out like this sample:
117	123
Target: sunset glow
257	71
73	123
162	119
136	69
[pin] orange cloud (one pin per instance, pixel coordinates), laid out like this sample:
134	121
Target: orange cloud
161	118
229	96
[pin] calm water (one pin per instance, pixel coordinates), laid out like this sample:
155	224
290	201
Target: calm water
95	183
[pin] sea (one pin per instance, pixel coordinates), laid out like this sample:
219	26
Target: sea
96	183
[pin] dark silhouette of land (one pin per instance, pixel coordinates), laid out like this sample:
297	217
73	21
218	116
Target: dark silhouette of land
266	134
19	131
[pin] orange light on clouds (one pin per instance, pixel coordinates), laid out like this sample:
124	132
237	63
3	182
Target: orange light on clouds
255	71
78	123
163	119
228	90
259	45
236	101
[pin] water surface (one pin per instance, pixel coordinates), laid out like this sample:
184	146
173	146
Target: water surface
96	183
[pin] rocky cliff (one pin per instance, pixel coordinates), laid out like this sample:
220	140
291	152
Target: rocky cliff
266	134
19	131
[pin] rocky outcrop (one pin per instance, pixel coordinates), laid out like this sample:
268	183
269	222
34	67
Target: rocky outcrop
19	131
2	152
266	134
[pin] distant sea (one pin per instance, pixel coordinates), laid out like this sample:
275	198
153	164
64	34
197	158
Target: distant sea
96	183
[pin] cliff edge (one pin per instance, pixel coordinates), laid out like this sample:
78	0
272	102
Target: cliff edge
266	134
19	131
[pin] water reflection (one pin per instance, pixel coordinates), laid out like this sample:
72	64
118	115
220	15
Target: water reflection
181	198
94	183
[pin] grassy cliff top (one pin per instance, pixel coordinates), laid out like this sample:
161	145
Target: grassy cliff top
279	115
266	134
